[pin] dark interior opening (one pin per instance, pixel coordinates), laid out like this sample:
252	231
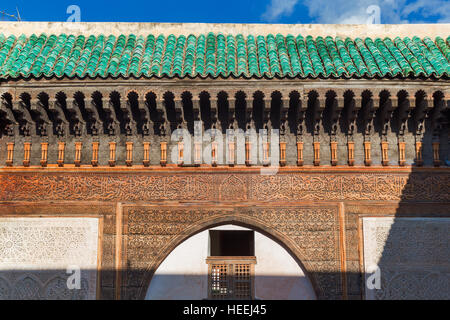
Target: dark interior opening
231	243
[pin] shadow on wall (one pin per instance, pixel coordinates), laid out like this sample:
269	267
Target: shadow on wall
406	250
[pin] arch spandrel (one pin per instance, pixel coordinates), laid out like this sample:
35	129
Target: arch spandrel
152	236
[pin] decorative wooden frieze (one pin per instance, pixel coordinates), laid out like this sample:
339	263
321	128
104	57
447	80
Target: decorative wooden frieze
419	157
94	160
112	154
197	153
129	160
385	153
282	154
351	153
334	157
44	154
10	155
401	154
436	160
316	153
78	146
146	160
299	154
26	154
163	160
248	146
61	149
367	153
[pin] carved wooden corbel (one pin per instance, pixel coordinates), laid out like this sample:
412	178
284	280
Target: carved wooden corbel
129	124
26	123
61	124
76	118
41	117
146	123
93	117
11	127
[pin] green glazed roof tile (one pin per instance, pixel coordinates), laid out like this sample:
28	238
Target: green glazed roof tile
214	55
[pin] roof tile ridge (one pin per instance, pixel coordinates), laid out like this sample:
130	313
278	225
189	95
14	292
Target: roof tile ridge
131	54
404	57
52	70
63	68
12	47
353	60
184	56
141	59
333	39
363	42
39	54
101	54
298	56
394	55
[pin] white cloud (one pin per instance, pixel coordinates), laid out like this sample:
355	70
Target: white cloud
278	8
398	11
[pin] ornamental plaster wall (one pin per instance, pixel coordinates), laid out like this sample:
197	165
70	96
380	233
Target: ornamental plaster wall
412	256
36	253
183	274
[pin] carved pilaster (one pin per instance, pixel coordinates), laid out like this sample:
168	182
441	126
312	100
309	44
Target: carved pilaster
61	149
112	154
419	156
146	160
94	161
299	153
78	148
44	154
163	157
384	153
351	153
10	155
26	154
129	149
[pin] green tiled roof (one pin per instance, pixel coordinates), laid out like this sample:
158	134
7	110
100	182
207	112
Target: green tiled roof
219	55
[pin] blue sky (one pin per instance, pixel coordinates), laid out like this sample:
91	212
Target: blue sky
238	11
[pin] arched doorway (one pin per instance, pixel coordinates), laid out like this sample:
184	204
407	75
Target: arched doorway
186	273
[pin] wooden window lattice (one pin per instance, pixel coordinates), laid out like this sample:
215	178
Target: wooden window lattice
231	278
